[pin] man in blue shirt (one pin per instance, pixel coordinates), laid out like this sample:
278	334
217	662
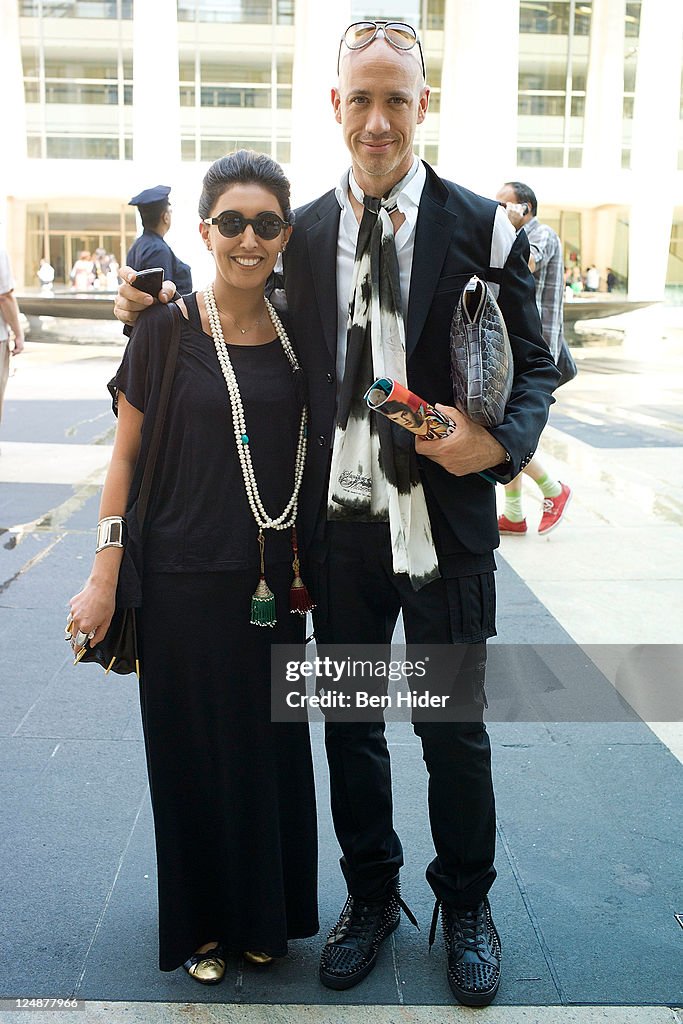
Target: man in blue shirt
150	250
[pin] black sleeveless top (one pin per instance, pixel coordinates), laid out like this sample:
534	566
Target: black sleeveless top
199	518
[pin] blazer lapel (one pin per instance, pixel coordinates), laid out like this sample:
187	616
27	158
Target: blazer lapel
435	223
321	239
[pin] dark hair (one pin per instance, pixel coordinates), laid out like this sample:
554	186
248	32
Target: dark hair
151	213
524	194
245	167
392	406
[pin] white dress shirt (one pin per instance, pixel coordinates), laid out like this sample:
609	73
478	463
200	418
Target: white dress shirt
408	202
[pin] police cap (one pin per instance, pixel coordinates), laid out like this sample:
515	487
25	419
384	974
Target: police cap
151	195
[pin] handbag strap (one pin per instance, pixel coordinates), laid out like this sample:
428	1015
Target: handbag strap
164	395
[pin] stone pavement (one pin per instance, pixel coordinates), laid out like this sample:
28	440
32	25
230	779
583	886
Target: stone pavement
590	814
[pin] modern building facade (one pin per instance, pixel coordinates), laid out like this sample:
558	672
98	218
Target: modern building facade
581	99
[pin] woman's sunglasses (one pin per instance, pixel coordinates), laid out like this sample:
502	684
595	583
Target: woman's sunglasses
397	33
230	223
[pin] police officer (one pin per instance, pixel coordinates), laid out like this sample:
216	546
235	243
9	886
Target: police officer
149	249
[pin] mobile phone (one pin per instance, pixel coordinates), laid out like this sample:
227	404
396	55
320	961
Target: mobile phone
149	281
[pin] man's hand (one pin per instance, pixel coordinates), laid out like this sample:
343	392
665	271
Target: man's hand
130	301
469	449
17	344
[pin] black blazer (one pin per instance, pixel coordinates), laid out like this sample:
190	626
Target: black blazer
452	242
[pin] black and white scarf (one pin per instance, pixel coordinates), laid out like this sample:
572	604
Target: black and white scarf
374	475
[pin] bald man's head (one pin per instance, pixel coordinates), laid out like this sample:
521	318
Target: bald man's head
411	57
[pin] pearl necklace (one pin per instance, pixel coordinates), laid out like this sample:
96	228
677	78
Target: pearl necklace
287	517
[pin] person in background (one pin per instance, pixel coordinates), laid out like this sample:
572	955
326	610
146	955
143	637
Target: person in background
46	275
9	321
592	282
547	266
83	272
112	278
611	279
150	249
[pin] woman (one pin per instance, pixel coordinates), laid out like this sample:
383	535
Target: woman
82	273
232	793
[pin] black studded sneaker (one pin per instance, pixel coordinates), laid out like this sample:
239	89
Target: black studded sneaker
473	950
350	952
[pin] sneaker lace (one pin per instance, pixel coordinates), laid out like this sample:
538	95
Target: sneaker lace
471	925
548	504
362	914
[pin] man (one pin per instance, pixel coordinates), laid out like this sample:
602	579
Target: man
367	571
150	249
547	265
9	320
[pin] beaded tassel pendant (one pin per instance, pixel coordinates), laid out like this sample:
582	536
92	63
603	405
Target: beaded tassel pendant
263	601
299	599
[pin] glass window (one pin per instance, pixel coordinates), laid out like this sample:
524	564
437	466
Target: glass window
396	10
633	20
435	14
540	157
111	9
81	69
74	147
547	80
218	96
283	152
256	12
285	15
244	71
212	149
187	149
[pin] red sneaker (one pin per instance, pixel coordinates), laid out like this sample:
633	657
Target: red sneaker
506	525
554	509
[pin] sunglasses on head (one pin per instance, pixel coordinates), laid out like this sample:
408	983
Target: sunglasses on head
397	33
231	223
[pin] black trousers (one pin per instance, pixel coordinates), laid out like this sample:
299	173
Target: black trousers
358	601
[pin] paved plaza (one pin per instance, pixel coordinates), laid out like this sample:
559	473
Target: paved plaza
590	812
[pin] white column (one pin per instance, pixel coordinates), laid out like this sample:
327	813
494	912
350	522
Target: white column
13	109
318	151
605	93
655	146
156	96
478	124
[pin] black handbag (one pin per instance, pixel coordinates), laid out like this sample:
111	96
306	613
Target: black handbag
481	358
118	650
565	364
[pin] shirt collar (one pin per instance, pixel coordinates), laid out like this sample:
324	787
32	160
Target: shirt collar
407	199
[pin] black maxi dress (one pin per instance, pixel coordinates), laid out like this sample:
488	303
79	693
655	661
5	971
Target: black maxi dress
232	792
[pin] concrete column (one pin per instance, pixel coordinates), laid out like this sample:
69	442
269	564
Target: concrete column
13	109
318	151
156	97
478	125
605	91
655	146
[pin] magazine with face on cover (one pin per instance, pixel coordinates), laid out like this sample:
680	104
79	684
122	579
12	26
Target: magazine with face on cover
407	409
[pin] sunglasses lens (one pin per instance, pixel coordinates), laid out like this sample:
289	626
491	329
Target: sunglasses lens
230	225
268	227
402	36
357	36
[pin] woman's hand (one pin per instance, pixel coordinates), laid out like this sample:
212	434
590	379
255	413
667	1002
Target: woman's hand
91	611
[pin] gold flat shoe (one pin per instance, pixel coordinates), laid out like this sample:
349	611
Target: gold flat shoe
207	968
261	959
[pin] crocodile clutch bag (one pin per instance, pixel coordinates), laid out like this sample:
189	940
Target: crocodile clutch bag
481	357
